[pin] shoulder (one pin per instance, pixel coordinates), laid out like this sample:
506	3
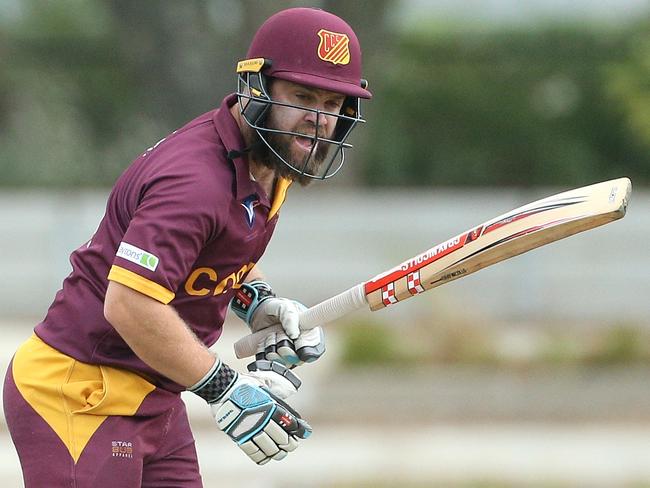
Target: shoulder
184	175
192	159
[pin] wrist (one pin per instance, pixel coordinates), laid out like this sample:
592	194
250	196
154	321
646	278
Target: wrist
217	381
249	297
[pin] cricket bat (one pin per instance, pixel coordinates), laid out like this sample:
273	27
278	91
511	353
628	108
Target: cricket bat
520	230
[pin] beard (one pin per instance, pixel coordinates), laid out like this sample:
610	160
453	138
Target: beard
281	143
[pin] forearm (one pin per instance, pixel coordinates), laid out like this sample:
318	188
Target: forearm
255	274
157	335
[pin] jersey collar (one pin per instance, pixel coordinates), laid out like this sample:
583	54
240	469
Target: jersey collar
232	140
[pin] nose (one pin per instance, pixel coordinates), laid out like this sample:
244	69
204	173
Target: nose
317	119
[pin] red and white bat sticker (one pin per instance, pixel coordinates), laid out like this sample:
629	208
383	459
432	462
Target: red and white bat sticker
414	264
413	283
388	294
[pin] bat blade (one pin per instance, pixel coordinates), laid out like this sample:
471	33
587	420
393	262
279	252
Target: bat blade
518	231
513	233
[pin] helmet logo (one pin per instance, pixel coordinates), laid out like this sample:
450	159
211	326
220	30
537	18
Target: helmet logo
334	47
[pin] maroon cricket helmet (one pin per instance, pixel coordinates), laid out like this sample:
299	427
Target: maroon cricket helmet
311	47
314	48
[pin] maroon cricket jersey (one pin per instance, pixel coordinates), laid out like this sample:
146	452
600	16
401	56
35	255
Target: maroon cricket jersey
184	225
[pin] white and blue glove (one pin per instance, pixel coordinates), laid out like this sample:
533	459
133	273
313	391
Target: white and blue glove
256	304
249	408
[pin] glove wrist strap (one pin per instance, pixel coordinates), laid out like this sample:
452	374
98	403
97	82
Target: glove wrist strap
248	297
215	383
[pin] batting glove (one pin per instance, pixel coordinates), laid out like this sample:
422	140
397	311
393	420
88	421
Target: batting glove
249	408
256	304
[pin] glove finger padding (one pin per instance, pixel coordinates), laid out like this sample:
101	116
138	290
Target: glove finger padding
277	346
279	380
307	348
310	345
291	421
278	438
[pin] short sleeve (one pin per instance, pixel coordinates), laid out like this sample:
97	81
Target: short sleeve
176	216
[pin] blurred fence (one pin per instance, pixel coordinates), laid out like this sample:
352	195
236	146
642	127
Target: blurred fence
328	240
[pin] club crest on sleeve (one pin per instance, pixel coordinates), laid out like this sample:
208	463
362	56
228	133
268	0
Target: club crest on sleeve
249	205
334	47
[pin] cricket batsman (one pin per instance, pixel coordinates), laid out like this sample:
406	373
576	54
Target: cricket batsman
92	398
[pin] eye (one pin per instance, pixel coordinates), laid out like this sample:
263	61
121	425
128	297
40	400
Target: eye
334	105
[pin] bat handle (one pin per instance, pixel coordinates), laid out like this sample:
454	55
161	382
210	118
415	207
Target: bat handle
322	313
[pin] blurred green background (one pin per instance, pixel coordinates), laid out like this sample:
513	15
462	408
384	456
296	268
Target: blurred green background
460	99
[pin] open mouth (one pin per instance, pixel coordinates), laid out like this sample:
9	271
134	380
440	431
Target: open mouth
305	143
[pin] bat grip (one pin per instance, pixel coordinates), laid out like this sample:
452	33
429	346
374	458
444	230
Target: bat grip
322	313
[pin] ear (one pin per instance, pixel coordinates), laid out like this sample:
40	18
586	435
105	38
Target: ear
350	108
257	106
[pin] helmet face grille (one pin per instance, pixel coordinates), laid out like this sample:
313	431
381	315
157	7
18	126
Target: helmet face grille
255	103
